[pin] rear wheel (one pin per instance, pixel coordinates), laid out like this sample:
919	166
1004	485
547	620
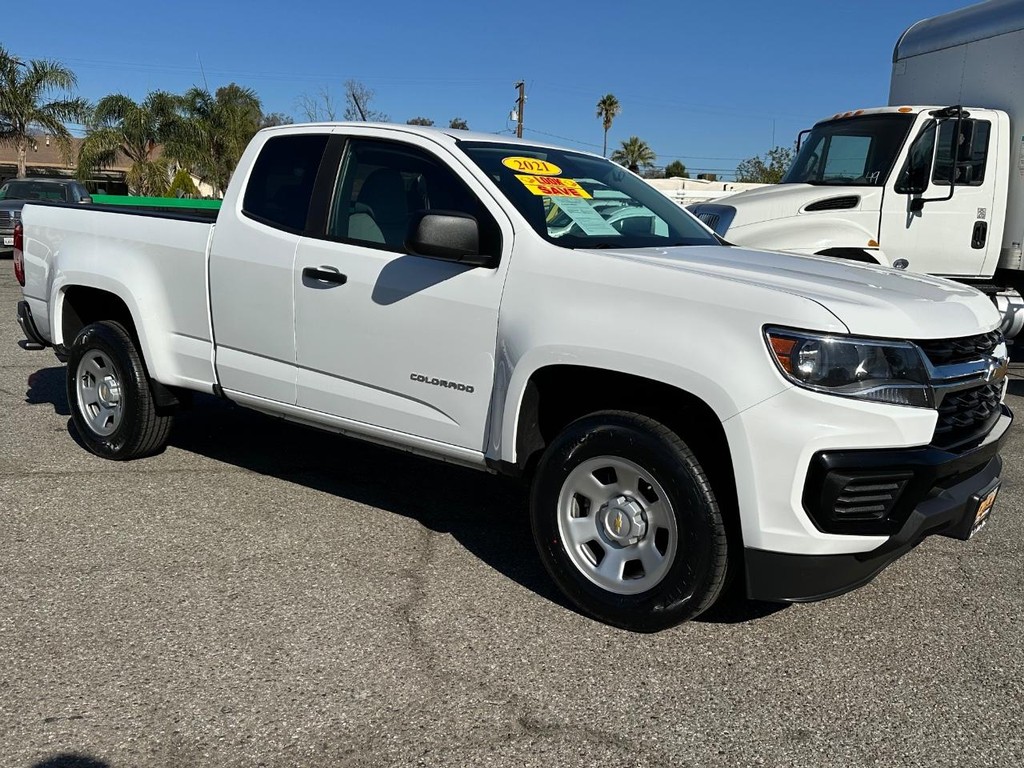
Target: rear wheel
627	524
111	401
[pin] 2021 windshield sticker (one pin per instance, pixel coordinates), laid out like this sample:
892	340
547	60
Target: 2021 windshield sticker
531	165
553	186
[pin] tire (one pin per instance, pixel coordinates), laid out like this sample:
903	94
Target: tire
622	491
111	401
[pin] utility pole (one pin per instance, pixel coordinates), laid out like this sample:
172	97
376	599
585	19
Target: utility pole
520	106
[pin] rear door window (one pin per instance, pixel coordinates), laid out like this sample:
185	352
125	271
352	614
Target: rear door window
281	183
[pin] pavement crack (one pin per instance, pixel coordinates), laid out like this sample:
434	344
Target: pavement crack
421	647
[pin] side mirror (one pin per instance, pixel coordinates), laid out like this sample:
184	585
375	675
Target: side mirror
85	200
447	235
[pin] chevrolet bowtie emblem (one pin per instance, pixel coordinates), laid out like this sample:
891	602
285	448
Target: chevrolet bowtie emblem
997	368
618	522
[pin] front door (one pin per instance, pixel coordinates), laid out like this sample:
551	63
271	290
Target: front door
388	338
951	237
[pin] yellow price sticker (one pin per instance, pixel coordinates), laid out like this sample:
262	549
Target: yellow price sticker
552	186
531	165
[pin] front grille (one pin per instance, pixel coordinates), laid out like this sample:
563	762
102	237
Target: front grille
951	351
834	203
968	414
711	219
6	219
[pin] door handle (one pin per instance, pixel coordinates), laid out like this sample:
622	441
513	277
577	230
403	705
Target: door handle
979	235
325	275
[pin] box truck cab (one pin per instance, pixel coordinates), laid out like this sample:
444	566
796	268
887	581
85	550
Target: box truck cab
930	183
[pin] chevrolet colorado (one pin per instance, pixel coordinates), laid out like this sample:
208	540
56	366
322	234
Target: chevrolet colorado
685	410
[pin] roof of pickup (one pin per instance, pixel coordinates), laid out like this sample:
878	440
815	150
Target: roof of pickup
444	135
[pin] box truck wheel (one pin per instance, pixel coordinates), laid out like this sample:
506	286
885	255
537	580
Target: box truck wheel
627	524
111	401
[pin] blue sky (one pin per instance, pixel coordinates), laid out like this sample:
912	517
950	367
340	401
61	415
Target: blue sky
708	83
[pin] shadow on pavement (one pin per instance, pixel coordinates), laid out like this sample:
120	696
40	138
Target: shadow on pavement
486	514
46	386
71	760
734	608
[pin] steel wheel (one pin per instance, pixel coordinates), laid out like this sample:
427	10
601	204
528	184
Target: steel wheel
99	393
626	522
617	525
112	404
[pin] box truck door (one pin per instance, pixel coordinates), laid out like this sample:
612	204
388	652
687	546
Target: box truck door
943	236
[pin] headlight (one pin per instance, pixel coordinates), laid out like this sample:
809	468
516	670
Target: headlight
884	371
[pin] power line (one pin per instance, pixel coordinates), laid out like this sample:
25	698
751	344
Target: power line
659	154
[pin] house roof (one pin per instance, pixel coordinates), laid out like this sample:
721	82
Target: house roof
46	154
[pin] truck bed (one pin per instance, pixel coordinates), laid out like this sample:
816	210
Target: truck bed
64	246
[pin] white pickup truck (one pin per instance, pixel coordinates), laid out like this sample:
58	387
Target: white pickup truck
685	410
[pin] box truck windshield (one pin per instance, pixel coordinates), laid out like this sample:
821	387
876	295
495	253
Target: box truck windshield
852	151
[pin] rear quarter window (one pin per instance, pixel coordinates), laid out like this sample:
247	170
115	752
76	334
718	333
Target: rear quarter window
281	183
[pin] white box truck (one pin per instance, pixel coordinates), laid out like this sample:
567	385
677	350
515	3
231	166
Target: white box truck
885	185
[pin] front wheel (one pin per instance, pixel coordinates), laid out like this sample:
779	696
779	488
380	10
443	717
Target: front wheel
626	522
111	401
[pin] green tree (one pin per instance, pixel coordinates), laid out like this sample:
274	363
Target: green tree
117	124
608	109
420	121
676	169
182	185
458	124
768	169
28	103
634	154
210	132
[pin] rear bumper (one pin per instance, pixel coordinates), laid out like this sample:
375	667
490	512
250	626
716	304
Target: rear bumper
950	488
28	325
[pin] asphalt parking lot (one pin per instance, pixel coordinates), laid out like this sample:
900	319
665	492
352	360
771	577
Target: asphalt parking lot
263	594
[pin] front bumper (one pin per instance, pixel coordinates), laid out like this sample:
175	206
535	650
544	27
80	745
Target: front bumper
944	490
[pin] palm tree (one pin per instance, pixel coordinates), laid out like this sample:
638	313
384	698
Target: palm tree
607	109
24	92
212	131
120	125
634	154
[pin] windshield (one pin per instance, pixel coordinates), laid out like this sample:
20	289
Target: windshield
855	151
580	201
33	190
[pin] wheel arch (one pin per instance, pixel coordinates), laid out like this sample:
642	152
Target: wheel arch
558	394
81	305
806	233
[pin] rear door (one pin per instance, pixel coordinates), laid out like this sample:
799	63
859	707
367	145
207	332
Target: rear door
951	237
251	266
385	337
